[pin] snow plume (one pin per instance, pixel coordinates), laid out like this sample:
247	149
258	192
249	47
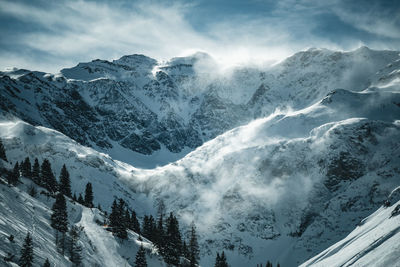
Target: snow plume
241	171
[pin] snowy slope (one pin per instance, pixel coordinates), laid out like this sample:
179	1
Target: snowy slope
84	164
22	213
375	242
290	184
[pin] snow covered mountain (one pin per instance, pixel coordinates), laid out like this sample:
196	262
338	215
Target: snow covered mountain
272	164
140	111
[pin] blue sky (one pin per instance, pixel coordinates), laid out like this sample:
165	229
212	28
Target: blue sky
49	35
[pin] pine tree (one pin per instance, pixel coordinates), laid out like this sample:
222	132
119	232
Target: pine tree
121	226
47	263
88	196
185	250
47	177
173	245
117	225
140	260
223	262
36	172
2	151
278	265
217	261
26	259
13	177
26	168
160	234
65	182
75	250
135	223
194	250
59	219
127	219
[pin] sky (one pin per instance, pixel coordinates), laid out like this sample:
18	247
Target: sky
49	35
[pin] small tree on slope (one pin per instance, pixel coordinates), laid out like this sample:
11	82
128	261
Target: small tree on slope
36	172
14	175
75	249
59	218
48	180
173	241
88	195
46	263
140	260
194	251
26	168
26	259
220	261
65	182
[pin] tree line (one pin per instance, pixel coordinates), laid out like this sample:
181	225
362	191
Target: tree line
163	232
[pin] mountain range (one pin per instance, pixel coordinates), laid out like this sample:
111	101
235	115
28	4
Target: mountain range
272	163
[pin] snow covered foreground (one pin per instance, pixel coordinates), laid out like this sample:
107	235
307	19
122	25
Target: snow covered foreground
375	242
22	213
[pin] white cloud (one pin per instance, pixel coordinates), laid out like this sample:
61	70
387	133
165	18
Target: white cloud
81	31
76	31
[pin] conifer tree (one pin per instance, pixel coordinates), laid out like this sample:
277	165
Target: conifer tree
217	261
117	223
127	219
59	219
13	177
185	250
268	264
140	260
26	168
75	250
36	172
2	151
65	182
223	262
46	263
26	259
149	228
160	234
173	245
47	177
135	223
194	250
114	218
278	265
88	196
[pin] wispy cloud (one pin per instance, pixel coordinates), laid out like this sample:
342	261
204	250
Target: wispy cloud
53	35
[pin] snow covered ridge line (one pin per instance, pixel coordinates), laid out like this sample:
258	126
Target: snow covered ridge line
124	109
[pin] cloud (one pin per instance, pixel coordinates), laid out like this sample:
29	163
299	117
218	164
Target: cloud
52	35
